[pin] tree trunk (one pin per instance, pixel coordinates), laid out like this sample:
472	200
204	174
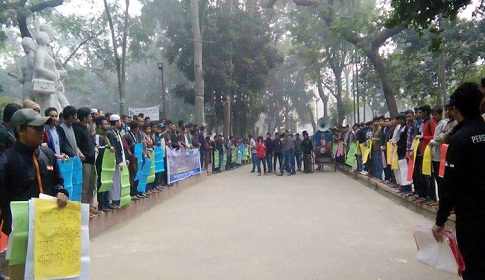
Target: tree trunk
312	121
340	103
440	96
324	98
227	115
378	64
198	70
120	62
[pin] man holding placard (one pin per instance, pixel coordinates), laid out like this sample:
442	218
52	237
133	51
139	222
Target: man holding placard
28	169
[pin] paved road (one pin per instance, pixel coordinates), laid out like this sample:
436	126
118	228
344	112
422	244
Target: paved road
236	225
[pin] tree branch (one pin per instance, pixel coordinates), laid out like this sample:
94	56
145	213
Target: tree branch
385	34
44	5
80	45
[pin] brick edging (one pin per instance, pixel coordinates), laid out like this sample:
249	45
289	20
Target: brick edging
106	221
390	193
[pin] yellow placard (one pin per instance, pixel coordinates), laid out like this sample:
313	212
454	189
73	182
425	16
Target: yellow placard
365	151
57	240
395	162
415	147
427	161
388	152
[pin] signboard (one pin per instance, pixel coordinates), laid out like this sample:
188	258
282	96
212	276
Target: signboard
182	164
152	112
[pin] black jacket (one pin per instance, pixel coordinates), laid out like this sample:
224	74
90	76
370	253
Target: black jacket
65	146
307	146
465	178
277	146
84	142
269	146
7	137
18	177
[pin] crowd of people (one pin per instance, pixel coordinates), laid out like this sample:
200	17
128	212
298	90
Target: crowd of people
32	141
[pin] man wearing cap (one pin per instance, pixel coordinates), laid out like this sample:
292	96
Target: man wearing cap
92	124
464	181
114	138
28	169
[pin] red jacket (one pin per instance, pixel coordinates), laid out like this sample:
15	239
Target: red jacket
428	132
260	150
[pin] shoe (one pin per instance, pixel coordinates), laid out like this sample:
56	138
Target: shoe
252	171
106	210
280	174
94	211
115	206
259	173
91	215
110	207
135	198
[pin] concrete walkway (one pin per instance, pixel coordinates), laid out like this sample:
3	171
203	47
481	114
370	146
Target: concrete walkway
236	225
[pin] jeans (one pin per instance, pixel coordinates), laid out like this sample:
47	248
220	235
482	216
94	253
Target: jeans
377	159
254	159
261	160
202	158
269	163
277	156
288	162
298	157
360	166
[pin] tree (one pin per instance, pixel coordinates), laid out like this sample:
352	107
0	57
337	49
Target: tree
120	60
422	15
16	14
348	28
198	69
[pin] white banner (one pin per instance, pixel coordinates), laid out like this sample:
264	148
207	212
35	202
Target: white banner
182	164
152	112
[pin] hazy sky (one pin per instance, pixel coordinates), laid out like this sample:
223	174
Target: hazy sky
81	7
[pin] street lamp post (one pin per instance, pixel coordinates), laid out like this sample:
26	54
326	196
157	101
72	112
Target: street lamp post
160	67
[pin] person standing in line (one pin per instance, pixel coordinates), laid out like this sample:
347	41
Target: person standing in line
464	181
28	169
102	143
277	149
86	146
51	136
7	134
307	148
114	138
261	155
269	152
202	147
287	150
66	133
298	151
252	148
427	129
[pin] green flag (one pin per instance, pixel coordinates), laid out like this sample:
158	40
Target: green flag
107	170
216	159
20	233
351	154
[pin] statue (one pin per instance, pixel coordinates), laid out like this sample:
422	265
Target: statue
59	68
26	67
45	72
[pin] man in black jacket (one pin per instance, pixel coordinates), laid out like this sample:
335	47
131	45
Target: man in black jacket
465	180
307	148
269	152
277	151
28	169
85	144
